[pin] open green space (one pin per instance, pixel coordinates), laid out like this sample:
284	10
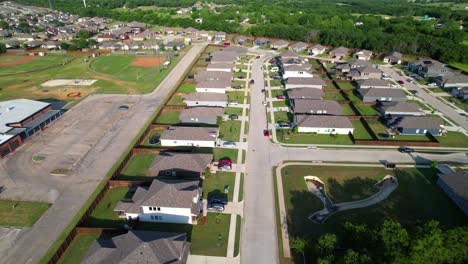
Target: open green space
138	166
223	153
230	130
460	66
281	103
334	96
453	139
283	116
346	85
347	110
233	110
237	96
367	110
176	100
417	198
36	63
78	248
186	88
360	131
211	239
277	92
285	136
103	215
219	184
16	213
462	104
169	117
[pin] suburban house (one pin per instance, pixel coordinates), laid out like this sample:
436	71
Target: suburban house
213	86
22	118
298	47
317	107
224	56
11	43
139	246
456	81
400	109
50	45
367	72
455	185
393	58
106	37
317	49
219	36
297	70
147	34
201	115
461	93
429	68
301	82
373	83
226	67
213	75
289	54
165	201
180	164
418	125
339	52
189	136
363	55
323	124
175	44
279	44
260	42
205	99
135	25
240	40
347	66
305	93
382	95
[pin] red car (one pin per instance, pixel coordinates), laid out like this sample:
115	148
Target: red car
225	164
401	82
281	97
266	133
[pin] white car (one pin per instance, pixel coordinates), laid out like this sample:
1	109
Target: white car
385	78
229	144
274	69
432	84
234	102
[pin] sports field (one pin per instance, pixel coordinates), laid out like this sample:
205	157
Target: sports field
20	63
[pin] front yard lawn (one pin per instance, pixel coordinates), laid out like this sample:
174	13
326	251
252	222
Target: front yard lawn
15	213
462	104
283	116
436	90
169	117
104	215
360	131
233	110
217	184
138	166
453	139
223	153
346	85
238	74
211	239
277	92
230	130
311	138
186	88
347	110
421	104
242	66
334	96
238	83
238	96
281	103
275	83
367	110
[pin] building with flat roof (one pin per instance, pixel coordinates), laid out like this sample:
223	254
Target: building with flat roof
20	119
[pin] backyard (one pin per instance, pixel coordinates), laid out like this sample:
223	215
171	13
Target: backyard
311	138
169	117
15	213
360	131
138	167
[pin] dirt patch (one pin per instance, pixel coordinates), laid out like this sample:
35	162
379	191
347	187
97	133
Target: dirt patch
18	62
148	62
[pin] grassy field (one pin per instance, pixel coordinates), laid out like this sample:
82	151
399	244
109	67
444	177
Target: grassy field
367	110
346	85
347	110
104	215
36	64
310	138
176	100
138	166
417	198
230	130
223	153
186	88
283	116
453	139
78	248
237	96
15	213
215	185
211	239
360	131
277	92
233	110
169	117
334	96
282	103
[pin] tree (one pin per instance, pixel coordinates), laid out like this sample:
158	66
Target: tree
353	257
4	25
64	45
174	48
2	48
395	239
84	34
428	246
326	244
299	245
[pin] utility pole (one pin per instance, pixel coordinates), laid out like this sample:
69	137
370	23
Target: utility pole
50	4
84	3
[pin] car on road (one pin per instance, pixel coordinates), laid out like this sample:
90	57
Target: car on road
264	103
252	81
389	165
218	207
258	57
237	87
233	116
405	150
281	97
414	91
400	82
266	132
233	102
123	107
229	144
410	80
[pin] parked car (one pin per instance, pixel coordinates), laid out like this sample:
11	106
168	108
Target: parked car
237	87
252	81
414	92
410	80
405	150
240	77
225	164
218	207
258	57
233	102
389	165
123	107
276	77
284	125
266	133
233	116
432	84
218	199
401	82
274	69
281	97
229	144
384	77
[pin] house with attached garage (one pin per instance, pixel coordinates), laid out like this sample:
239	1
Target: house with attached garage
189	136
347	66
289	54
400	109
455	185
301	82
297	70
305	93
298	47
213	86
449	82
316	107
139	246
201	115
429	68
461	93
164	201
417	125
373	83
241	40
219	37
367	72
224	56
261	42
206	99
317	49
279	44
323	124
180	164
393	58
226	67
339	52
363	55
213	75
382	95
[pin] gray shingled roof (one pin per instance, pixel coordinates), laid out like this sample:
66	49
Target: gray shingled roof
318	47
138	246
196	162
297	67
213	75
340	50
190	133
220	66
421	122
407	107
224	56
458	183
289	54
202	112
305	93
376	92
457	79
305	81
207	97
323	121
327	107
239	50
299	45
373	83
280	42
212	84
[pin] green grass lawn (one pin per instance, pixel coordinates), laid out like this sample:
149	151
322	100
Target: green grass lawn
346	85
275	83
233	110
281	103
353	97
215	185
283	116
230	130
360	131
310	138
237	95
461	66
277	92
436	90
238	83
138	166
151	134
211	239
330	85
416	199
237	239
421	104
104	215
176	100
453	139
367	110
169	117
222	153
186	88
240	74
242	66
380	128
78	248
347	110
334	96
462	104
35	64
15	213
